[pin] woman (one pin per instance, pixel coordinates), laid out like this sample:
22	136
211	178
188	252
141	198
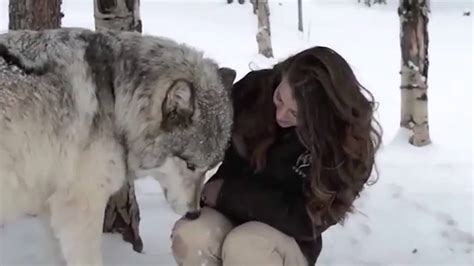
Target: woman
303	147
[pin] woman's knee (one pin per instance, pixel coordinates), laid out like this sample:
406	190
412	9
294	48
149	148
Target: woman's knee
247	234
205	233
262	244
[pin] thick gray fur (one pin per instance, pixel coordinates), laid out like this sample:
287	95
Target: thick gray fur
126	69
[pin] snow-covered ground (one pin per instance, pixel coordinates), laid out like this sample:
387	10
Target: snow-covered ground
420	212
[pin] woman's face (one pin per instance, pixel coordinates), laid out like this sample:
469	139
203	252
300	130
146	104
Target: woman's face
285	103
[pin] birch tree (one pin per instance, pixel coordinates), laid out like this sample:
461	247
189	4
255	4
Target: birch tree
414	69
300	15
264	38
118	15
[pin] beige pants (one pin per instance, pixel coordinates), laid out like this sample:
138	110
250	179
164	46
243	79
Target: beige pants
212	240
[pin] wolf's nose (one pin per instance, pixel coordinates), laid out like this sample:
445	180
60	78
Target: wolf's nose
192	215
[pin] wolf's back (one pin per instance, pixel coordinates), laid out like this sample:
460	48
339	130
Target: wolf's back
26	98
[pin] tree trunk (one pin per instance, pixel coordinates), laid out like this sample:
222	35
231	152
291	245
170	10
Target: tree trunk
264	38
122	213
118	15
300	15
34	14
414	69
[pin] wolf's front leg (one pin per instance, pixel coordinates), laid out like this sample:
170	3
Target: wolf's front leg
76	219
77	206
77	222
52	243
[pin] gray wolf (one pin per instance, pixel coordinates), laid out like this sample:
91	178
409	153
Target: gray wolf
83	111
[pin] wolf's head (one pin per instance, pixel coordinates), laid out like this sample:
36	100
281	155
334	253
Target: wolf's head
174	106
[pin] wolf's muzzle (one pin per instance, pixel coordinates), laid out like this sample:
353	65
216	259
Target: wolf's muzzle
192	215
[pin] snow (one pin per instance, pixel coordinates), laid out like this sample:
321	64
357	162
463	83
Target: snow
419	212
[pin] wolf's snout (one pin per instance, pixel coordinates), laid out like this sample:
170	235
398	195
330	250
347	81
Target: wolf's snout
192	215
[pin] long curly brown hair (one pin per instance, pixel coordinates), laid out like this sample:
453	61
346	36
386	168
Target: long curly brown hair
335	123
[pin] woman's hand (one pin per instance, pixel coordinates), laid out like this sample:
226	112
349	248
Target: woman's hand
211	192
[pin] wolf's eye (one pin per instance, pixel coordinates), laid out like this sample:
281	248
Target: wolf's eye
190	166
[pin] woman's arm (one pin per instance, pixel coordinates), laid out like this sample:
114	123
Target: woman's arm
254	199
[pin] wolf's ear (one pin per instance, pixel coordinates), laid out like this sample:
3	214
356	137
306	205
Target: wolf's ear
227	76
178	107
